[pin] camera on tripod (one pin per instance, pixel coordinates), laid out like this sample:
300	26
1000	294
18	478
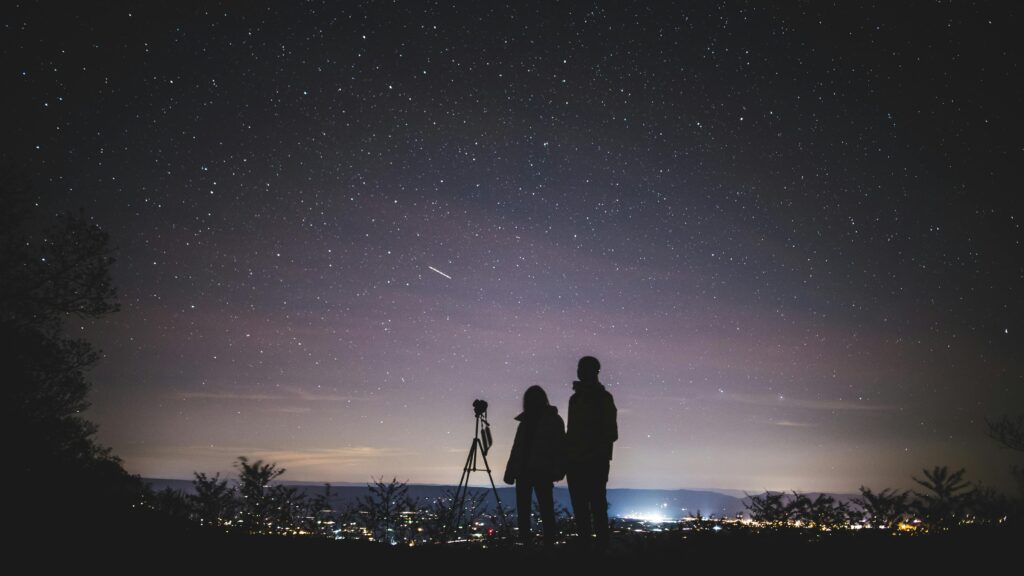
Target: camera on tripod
483	427
482	441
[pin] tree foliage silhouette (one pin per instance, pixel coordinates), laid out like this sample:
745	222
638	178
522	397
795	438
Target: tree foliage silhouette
214	501
821	512
54	270
698	521
172	502
265	508
321	517
441	514
769	508
885	509
381	510
945	498
988	506
1010	433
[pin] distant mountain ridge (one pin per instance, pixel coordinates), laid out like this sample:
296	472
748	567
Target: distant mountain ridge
623	502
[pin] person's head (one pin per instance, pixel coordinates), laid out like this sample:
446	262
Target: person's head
588	369
534	400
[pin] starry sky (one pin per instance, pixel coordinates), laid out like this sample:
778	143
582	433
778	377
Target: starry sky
790	233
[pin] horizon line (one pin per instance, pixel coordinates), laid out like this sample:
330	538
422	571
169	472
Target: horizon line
500	486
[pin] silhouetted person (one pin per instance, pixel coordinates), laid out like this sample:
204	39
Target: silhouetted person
537	461
592	430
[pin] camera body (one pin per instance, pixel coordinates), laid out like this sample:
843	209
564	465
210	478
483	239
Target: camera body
479	407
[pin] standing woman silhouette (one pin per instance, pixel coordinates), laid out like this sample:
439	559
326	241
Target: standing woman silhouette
537	461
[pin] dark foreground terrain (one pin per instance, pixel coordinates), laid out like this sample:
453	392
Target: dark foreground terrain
145	543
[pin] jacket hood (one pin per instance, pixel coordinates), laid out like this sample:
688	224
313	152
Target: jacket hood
551	410
580	386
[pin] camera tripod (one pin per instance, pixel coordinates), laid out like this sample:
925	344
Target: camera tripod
481	444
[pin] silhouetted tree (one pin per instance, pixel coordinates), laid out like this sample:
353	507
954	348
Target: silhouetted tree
944	501
54	271
821	512
172	503
214	501
769	508
321	516
797	507
382	509
287	509
265	508
699	522
987	506
828	513
1010	433
885	509
441	513
473	509
502	522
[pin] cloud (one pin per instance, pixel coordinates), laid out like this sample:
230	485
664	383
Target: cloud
296	459
784	401
288	410
791	424
227	396
314	463
284	393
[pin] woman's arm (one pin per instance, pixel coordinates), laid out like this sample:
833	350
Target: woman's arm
514	458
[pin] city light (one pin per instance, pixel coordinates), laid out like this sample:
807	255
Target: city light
651	517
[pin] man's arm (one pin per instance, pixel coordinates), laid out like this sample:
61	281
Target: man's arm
611	425
569	416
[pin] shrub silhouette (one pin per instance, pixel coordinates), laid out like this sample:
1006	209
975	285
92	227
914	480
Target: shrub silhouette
382	509
265	508
213	502
943	503
885	509
769	508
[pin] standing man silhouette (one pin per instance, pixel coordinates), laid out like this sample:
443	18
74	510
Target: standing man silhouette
592	429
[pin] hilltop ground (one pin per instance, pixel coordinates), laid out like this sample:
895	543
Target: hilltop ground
145	543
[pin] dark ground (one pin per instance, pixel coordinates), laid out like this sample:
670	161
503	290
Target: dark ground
143	542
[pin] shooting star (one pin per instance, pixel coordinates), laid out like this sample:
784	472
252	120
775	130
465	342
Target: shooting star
439	272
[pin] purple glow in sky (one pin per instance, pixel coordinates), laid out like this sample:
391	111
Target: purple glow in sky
788	233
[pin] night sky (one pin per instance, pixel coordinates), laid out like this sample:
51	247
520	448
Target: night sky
791	234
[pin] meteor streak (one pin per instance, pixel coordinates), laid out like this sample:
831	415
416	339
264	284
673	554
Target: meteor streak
439	272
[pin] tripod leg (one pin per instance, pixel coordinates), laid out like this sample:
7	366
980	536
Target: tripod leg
501	511
459	501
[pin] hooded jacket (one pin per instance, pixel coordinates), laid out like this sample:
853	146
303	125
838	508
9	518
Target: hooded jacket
592	423
538	451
